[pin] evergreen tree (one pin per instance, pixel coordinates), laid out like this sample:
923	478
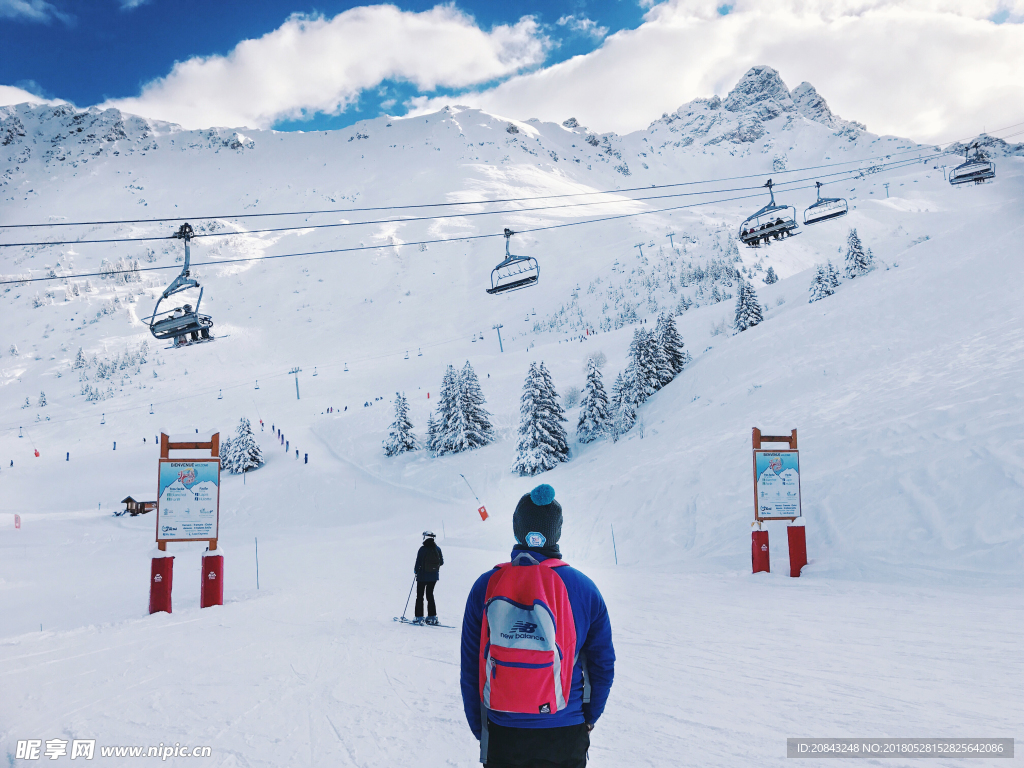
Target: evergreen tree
625	418
400	439
542	442
595	416
748	310
227	456
770	278
858	261
663	370
833	275
447	415
671	344
472	422
640	380
42	399
821	284
432	433
246	453
80	360
617	389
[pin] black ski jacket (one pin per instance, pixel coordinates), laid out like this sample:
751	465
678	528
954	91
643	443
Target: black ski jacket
428	562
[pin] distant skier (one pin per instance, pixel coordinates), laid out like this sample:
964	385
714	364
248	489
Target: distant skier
428	570
539	631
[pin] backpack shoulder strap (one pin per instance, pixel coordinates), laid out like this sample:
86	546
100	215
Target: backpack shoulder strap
552	562
527	558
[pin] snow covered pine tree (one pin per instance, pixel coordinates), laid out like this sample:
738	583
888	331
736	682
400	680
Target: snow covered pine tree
543	442
246	453
462	422
833	275
770	278
858	261
432	433
400	439
446	413
821	284
642	377
671	344
226	454
473	427
748	310
595	417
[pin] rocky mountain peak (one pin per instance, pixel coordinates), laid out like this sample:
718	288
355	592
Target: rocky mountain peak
761	89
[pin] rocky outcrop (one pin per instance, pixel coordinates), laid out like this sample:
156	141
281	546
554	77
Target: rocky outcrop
813	106
761	92
759	97
11	130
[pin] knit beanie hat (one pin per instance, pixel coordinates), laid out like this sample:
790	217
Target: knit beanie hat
537	521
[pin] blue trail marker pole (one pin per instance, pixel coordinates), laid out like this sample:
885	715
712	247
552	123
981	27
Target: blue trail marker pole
614	549
256	538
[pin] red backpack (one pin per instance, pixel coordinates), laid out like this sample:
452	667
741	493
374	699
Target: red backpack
528	639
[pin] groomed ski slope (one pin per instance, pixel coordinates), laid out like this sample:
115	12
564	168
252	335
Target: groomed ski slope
906	387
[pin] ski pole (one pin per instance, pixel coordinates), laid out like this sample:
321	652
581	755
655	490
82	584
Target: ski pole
409	597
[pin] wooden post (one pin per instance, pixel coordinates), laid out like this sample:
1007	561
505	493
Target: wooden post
758	439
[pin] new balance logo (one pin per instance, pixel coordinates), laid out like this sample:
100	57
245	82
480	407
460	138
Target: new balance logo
525	627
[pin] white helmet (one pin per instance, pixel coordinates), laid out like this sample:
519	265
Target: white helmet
428	535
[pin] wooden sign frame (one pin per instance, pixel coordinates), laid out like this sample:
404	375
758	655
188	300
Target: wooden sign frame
758	441
166	446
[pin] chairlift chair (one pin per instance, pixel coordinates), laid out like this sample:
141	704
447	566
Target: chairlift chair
184	324
825	208
976	169
514	272
771	222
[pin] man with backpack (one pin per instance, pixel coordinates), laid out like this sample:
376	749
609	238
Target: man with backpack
537	655
428	570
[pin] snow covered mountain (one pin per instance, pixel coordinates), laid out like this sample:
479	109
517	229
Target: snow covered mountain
905	387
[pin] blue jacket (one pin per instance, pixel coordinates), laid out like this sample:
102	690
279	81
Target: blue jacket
593	638
422	574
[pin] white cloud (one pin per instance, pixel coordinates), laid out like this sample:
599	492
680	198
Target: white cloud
314	64
583	25
11	95
928	69
32	10
131	5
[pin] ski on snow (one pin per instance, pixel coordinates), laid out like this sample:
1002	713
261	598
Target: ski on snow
403	620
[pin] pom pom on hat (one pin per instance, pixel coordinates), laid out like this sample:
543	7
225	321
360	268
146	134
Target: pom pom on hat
542	495
538	518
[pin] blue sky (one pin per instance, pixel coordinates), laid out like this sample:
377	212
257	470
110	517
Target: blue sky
931	70
90	51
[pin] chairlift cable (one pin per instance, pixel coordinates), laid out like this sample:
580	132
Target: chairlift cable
464	238
505	212
101	222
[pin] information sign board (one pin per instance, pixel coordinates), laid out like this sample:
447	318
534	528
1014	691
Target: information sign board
188	504
777	485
